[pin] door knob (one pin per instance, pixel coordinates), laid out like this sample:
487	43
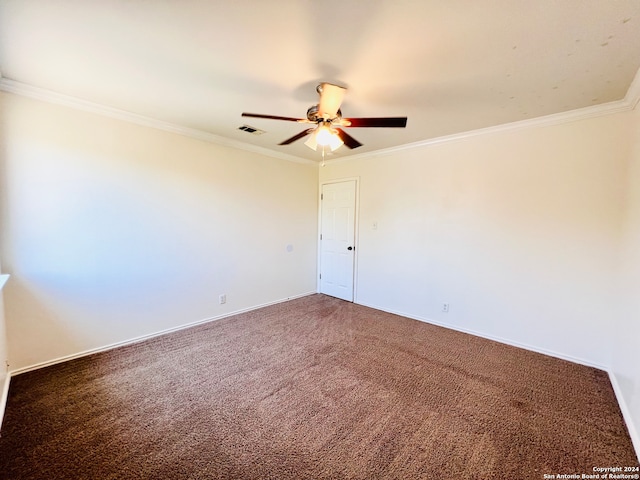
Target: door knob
349	248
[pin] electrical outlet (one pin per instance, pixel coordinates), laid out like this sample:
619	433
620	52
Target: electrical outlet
445	307
223	298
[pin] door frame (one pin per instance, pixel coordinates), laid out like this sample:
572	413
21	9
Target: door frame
355	232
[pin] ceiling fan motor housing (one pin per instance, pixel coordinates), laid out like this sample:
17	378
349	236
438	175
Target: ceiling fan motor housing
312	115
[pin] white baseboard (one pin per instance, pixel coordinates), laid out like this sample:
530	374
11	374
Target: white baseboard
512	343
142	338
66	358
3	397
626	413
635	437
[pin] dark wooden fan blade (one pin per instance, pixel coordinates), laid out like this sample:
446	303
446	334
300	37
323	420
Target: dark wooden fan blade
297	137
271	117
348	140
393	122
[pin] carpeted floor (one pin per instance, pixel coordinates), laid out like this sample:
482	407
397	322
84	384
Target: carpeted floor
315	388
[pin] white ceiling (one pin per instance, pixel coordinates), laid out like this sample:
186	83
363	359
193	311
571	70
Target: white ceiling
450	66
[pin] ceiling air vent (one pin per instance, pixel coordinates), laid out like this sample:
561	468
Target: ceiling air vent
250	129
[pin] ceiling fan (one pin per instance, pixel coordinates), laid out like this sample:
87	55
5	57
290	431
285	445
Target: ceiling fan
328	121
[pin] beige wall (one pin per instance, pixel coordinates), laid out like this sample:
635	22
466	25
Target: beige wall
518	231
532	236
113	230
4	353
626	332
4	356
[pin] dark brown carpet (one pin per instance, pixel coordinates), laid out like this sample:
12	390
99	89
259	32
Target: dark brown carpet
315	388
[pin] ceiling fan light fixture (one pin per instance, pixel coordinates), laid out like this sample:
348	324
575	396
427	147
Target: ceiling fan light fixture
311	141
324	136
335	142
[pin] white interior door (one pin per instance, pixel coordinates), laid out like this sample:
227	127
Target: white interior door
337	239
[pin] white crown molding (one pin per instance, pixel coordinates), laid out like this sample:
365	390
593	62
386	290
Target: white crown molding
25	90
3	280
629	102
547	120
633	94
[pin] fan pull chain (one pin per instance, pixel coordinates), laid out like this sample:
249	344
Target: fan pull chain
323	156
